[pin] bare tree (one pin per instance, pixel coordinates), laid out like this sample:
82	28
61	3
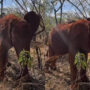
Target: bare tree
80	7
1	7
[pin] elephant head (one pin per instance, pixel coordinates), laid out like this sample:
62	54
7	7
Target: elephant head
33	19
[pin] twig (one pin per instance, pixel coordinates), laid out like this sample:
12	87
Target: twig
83	8
76	7
21	5
39	57
33	2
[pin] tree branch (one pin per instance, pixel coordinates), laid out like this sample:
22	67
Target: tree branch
76	7
21	5
82	7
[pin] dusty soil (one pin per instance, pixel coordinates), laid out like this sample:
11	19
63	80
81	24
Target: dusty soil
39	80
60	79
34	81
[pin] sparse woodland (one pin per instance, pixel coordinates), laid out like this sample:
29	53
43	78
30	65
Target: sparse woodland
52	12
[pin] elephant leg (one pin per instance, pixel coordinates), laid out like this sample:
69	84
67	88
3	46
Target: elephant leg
83	76
51	62
23	71
3	61
73	70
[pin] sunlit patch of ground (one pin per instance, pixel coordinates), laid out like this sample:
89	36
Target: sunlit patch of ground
55	80
25	83
60	79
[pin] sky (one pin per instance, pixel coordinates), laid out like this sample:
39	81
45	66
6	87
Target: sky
67	7
8	3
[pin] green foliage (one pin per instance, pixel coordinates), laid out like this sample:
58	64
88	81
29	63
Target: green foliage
80	61
25	59
49	23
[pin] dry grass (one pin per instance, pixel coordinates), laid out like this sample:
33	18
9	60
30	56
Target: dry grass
55	80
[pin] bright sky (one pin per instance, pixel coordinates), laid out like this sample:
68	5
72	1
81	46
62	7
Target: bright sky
67	7
8	3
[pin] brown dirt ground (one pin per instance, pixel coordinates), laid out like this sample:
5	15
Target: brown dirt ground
55	80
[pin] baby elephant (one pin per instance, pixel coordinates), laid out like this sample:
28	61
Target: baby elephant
16	32
70	38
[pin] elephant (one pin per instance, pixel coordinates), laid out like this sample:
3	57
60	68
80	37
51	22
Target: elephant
69	38
16	32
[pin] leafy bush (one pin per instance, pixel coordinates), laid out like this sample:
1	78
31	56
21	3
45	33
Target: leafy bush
25	59
80	60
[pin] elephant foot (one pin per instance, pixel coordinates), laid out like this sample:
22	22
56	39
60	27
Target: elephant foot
84	79
24	72
2	74
82	84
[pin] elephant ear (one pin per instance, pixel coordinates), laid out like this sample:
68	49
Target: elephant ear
32	18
